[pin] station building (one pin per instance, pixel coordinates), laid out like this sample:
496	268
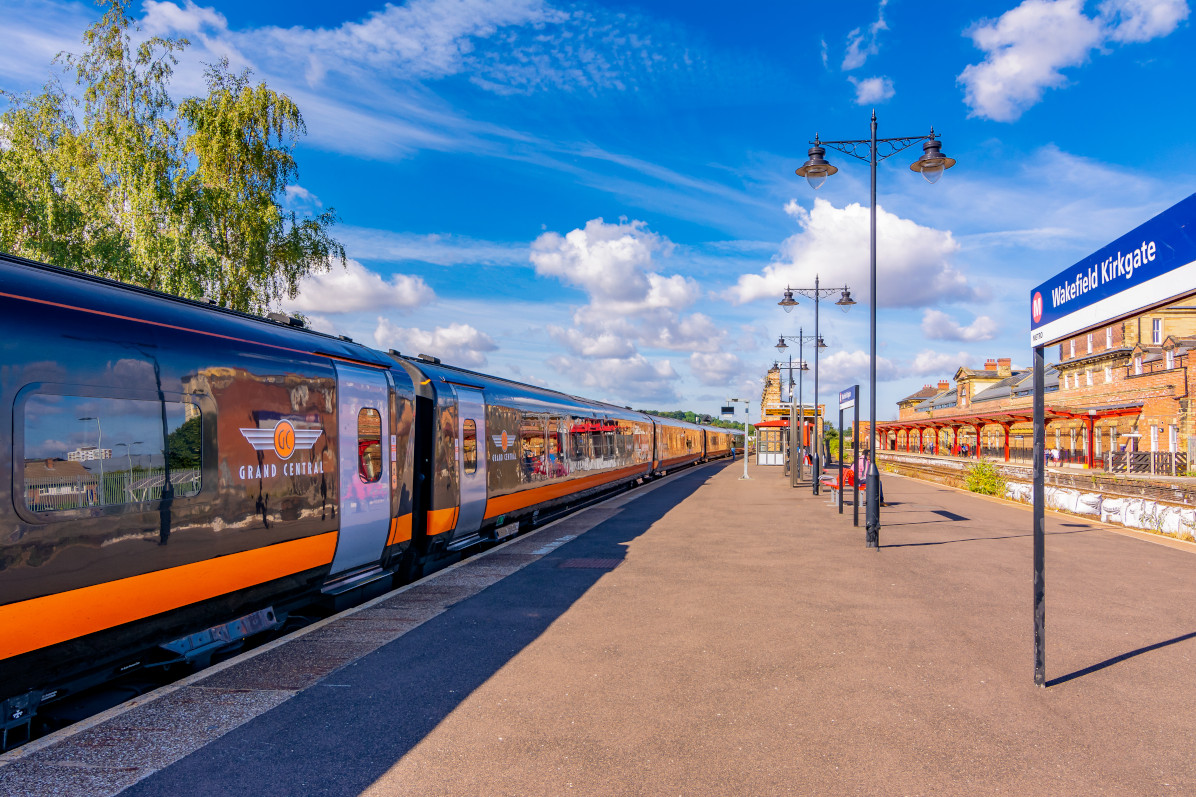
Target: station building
1117	398
776	405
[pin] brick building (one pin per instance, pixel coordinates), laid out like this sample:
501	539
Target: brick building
1123	386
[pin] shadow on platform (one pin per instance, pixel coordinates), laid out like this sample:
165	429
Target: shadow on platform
345	732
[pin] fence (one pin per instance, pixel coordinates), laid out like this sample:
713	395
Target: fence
119	487
1164	463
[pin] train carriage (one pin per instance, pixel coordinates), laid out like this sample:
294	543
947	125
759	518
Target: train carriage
183	476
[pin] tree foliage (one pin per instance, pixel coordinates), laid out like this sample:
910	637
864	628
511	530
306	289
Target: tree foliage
117	180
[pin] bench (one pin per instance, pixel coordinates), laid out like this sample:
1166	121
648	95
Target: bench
831	482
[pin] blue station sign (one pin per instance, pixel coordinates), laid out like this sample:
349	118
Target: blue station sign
847	398
1151	265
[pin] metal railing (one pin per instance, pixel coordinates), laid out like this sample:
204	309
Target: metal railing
48	494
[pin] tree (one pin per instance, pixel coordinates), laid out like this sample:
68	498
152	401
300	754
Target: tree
121	183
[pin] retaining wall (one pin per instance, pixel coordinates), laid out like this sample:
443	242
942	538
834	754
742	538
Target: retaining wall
1164	507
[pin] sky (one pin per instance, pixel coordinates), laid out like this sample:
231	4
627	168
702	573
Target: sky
601	198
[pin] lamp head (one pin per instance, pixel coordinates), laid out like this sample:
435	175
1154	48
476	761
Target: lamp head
845	299
781	344
788	302
821	343
816	169
933	162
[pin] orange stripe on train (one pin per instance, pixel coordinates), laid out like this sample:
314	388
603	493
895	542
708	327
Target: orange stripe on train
500	505
40	622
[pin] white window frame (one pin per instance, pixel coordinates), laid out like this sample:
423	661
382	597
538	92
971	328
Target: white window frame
1090	343
1138	365
1172	438
1108	374
1170	355
1157	330
1066	382
1108	337
1073	347
1088	377
1154	438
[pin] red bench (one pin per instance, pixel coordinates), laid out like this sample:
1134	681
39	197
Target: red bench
831	482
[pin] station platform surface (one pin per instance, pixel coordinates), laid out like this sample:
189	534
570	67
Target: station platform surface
700	636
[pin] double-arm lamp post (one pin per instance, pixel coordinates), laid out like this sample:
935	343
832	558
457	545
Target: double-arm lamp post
816	293
797	439
931	165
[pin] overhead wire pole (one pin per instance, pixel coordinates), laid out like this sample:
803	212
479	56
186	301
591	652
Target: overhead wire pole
931	165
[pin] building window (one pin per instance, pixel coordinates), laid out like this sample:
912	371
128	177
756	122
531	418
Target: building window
1109	337
1073	347
85	451
1157	331
1154	438
1108	374
1090	343
1138	364
1088	377
1170	360
1172	438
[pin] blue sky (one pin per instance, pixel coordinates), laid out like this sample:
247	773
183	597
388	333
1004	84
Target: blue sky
601	197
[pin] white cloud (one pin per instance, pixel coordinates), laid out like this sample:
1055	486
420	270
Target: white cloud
852	367
929	363
442	249
456	344
717	368
1142	20
629	301
915	265
604	345
355	288
1027	47
621	380
872	90
937	325
861	43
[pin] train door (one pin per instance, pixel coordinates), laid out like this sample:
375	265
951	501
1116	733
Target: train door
471	420
362	397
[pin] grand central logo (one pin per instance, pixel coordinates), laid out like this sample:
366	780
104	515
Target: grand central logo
284	440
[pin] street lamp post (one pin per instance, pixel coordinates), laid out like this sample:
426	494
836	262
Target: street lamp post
788	302
747	411
931	165
796	475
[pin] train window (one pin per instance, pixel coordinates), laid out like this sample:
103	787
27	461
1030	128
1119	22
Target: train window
86	451
469	445
369	445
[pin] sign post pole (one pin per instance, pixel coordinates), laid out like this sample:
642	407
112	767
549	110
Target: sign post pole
840	458
855	452
1039	518
1150	266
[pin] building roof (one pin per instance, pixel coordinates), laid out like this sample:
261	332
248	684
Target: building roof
927	391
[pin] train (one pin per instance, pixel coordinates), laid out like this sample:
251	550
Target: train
183	476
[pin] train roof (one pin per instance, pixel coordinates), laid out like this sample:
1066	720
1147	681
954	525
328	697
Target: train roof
53	286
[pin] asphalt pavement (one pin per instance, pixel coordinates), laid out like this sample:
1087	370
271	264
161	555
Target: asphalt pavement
708	636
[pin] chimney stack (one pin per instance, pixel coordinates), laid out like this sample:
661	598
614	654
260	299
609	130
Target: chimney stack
1005	366
990	364
944	384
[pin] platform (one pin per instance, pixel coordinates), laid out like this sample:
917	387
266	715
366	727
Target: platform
703	635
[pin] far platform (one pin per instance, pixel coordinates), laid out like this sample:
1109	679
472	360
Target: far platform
703	635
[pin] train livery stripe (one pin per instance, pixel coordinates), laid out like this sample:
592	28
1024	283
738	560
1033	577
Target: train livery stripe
442	520
39	622
400	529
502	504
668	463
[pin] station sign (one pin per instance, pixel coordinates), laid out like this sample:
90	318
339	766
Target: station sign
847	398
1149	266
728	410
